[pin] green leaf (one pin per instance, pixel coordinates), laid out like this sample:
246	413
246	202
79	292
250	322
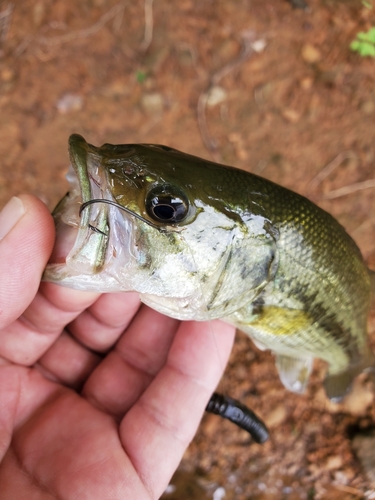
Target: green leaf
365	43
367	49
355	45
141	76
371	35
367	37
367	4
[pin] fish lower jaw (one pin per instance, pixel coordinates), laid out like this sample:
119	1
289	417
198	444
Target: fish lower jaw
181	308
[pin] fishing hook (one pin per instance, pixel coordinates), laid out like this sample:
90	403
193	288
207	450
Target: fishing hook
124	209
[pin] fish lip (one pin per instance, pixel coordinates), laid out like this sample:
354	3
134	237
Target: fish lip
92	182
78	153
88	231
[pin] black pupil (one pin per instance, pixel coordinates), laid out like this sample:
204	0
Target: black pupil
168	208
164	212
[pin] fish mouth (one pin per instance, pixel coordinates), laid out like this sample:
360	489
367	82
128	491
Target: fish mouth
93	239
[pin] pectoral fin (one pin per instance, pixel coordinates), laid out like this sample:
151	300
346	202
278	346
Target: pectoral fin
294	373
279	329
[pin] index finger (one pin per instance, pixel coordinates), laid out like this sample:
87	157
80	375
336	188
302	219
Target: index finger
27	339
26	239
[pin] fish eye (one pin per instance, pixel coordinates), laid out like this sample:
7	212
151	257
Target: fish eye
167	205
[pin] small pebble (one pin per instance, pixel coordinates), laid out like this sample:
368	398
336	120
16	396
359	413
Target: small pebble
7	75
152	103
291	115
218	494
276	417
310	54
364	447
69	102
287	490
359	399
259	45
38	14
216	96
333	462
306	83
368	107
171	488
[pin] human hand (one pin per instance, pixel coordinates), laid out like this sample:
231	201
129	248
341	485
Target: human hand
99	395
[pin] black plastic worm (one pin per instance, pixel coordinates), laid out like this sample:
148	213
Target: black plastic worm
239	414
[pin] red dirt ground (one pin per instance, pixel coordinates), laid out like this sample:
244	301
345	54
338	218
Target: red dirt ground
298	104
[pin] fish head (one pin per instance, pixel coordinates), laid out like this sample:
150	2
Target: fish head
151	219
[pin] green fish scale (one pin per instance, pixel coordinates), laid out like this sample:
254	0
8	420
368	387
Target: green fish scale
321	267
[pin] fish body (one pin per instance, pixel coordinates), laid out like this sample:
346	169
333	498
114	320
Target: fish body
199	240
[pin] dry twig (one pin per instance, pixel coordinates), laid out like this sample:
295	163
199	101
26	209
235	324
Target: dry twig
5	19
327	170
149	26
352	188
248	39
349	489
73	35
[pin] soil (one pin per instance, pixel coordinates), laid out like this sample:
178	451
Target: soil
251	83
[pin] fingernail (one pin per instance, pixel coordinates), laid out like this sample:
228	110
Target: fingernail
10	215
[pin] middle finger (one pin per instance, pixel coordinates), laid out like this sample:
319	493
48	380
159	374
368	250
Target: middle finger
74	354
126	372
100	326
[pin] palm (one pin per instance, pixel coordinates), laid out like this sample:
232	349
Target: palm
81	456
112	399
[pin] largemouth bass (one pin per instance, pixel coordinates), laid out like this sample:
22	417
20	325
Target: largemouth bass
199	240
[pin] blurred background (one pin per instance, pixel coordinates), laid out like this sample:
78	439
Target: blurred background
256	84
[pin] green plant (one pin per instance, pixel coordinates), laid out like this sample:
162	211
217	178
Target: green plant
366	4
311	494
141	76
365	43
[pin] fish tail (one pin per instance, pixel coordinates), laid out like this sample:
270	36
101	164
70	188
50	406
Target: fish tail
338	385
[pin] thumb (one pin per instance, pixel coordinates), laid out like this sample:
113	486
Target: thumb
26	240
